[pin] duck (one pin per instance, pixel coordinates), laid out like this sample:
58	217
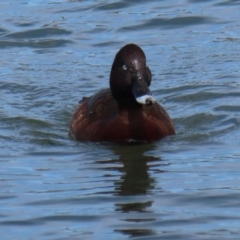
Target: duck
125	112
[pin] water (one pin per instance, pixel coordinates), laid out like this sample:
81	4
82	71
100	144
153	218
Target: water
184	187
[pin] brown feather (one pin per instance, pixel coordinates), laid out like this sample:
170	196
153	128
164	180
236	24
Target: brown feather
99	119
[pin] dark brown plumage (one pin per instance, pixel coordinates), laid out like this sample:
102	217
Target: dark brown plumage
127	112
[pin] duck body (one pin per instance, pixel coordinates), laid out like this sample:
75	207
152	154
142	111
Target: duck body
127	111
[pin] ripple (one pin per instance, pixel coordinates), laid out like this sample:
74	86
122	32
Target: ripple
25	24
31	122
228	39
112	6
199	1
30	38
228	108
107	44
3	31
35	44
137	232
164	23
38	33
20	223
228	3
204	96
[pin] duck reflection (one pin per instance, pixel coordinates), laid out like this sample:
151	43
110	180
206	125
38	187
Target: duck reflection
134	187
135	179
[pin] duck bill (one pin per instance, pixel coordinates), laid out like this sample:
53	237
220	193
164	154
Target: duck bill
142	93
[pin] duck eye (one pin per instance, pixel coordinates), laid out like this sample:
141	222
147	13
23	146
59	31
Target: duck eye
124	67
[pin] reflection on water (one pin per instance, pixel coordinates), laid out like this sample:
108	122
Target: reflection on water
135	180
53	53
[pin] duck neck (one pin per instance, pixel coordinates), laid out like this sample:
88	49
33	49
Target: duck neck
129	105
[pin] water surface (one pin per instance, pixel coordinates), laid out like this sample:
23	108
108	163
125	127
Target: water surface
184	187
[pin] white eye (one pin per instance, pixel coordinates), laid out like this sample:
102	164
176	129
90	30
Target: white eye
124	67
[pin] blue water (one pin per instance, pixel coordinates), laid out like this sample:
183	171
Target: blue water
183	187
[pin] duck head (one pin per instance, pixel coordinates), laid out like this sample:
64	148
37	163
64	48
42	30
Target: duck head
130	77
